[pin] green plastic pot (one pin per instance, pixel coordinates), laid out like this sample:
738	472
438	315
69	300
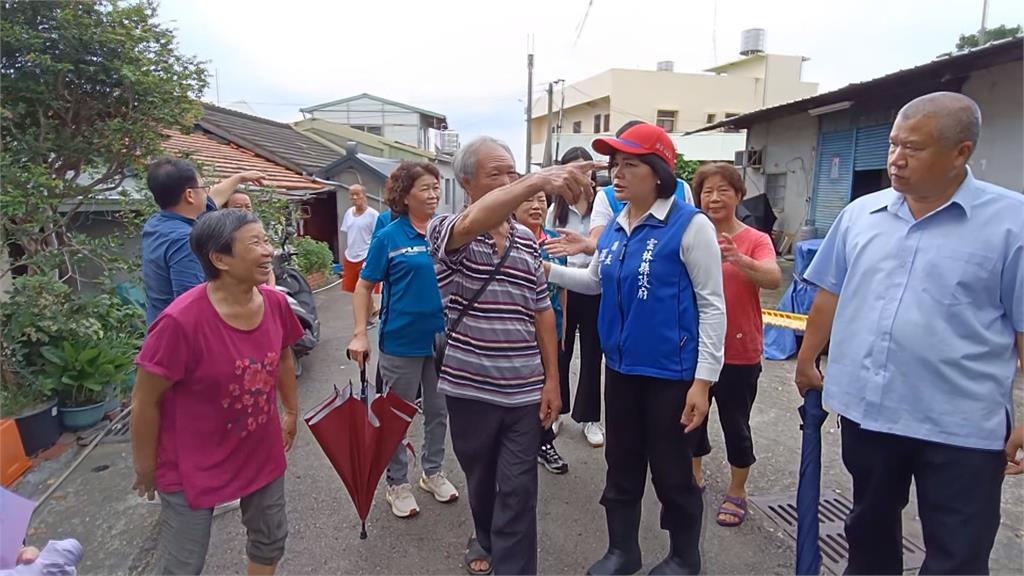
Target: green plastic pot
80	417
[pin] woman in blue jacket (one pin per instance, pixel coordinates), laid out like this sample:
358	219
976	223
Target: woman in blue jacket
411	314
662	325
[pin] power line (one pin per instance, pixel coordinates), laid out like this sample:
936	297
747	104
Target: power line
579	29
610	107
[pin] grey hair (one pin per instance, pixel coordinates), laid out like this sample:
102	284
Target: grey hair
464	163
958	118
214	233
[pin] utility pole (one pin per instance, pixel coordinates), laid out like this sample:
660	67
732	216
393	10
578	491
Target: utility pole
984	23
529	110
551	112
561	117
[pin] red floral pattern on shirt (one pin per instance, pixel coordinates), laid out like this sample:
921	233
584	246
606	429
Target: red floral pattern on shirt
248	402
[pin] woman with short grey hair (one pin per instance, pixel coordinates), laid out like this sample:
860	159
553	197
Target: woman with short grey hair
205	423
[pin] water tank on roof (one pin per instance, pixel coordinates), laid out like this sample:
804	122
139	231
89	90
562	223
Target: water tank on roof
666	66
752	42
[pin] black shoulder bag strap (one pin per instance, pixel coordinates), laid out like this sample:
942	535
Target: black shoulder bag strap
441	345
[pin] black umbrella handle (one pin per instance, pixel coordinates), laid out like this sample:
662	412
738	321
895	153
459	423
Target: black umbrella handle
362	533
363	385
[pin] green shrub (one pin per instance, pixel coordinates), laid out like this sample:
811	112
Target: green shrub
48	333
312	255
84	373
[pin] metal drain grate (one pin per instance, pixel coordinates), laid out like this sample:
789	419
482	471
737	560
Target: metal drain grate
832	512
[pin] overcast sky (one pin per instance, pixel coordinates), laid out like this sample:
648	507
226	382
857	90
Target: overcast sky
467	58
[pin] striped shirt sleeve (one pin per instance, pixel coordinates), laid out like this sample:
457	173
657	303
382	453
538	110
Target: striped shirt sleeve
439	231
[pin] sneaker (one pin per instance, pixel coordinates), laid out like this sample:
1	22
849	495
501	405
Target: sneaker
594	432
227	507
551	459
439	486
403	503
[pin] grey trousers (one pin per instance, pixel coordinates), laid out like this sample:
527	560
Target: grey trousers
497	448
185	531
404	375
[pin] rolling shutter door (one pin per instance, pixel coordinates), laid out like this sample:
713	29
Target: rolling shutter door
833	177
872	151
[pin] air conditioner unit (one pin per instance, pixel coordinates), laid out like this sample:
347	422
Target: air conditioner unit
748	158
449	142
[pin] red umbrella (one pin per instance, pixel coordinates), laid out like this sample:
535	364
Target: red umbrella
360	438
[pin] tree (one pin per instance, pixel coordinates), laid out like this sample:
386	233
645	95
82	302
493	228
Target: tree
89	88
1001	32
685	169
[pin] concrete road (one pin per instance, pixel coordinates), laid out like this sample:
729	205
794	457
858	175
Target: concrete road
118	530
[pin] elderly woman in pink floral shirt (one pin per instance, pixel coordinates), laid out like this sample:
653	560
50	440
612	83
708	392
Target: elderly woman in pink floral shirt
205	424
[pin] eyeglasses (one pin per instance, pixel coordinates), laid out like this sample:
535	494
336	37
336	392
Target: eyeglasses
205	189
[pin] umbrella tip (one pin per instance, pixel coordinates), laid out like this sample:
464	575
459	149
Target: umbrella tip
362	533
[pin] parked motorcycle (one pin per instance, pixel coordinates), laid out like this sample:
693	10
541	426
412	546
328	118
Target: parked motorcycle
293	285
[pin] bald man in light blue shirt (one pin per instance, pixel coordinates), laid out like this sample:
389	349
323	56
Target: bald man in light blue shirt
922	292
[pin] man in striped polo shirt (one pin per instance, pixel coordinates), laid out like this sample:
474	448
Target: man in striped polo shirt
500	371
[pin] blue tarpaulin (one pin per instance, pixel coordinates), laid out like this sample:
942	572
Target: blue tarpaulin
780	343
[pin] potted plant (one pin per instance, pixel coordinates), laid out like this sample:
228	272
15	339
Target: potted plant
314	259
84	373
33	407
33	316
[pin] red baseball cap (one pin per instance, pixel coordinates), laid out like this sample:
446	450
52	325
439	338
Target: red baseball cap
640	139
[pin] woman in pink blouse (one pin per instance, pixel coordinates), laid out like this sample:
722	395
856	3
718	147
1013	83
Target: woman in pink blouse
205	422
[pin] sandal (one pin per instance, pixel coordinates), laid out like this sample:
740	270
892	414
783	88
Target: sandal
476	553
740	514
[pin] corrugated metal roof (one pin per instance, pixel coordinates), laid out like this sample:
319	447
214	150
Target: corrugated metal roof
275	141
384	166
936	70
220	160
316	107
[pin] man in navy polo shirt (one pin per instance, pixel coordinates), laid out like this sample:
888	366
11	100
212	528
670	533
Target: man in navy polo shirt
169	268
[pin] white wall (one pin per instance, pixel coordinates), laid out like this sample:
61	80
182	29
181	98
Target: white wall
448	181
703	147
789	147
999	92
398	123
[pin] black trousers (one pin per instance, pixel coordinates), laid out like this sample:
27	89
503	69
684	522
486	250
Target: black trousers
642	428
581	316
958	495
734	392
497	449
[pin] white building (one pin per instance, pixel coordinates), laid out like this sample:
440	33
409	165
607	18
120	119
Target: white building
387	118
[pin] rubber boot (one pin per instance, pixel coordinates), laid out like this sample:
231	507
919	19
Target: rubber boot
623	556
683	554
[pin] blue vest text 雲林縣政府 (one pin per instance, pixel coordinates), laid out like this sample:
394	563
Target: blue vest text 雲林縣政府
648	316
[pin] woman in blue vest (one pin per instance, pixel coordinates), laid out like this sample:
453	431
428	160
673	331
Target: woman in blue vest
411	314
662	326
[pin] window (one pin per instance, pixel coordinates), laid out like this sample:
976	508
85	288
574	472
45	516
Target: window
607	122
775	189
577	127
711	119
375	130
597	123
729	115
666	120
